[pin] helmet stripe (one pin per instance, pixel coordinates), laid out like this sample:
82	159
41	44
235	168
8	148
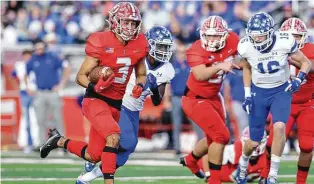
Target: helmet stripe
133	9
212	21
293	21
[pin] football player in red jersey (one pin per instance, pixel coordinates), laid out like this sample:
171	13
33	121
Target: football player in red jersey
121	49
302	108
209	58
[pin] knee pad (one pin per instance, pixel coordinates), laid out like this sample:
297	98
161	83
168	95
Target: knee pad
306	144
222	137
95	155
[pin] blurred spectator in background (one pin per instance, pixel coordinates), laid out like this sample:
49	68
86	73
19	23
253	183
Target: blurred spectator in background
47	101
310	27
178	83
156	15
234	97
28	129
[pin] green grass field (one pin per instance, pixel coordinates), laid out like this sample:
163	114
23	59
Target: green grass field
13	171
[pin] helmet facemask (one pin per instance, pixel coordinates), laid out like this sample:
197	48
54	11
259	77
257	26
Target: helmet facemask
215	45
126	32
264	45
161	50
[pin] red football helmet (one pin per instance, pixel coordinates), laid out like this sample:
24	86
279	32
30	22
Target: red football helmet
120	17
214	26
295	26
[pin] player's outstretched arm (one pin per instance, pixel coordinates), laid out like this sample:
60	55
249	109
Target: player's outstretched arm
140	72
247	78
299	57
158	94
82	75
247	74
298	65
203	73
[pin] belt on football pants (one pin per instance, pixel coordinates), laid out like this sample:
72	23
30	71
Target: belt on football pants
112	102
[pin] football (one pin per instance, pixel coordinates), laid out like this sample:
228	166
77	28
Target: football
96	72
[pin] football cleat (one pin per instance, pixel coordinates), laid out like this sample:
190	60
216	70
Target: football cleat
240	176
88	166
51	143
271	180
262	180
78	181
193	168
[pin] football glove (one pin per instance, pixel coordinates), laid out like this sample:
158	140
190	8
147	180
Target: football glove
247	105
295	84
104	84
151	80
137	90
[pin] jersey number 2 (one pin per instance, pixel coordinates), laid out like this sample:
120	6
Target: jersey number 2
271	67
123	70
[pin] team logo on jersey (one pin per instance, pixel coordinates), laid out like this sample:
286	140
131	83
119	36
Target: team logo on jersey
109	50
159	74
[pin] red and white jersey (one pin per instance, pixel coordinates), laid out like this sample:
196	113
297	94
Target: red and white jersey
306	91
197	55
106	47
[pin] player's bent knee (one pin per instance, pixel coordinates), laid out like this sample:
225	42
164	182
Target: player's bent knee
306	144
222	138
252	144
113	140
90	159
279	127
93	156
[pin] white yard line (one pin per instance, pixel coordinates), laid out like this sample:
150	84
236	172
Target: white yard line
121	178
77	162
136	155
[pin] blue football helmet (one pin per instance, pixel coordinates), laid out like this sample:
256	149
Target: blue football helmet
160	43
261	24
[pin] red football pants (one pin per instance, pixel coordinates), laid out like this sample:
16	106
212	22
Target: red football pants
208	114
103	119
303	116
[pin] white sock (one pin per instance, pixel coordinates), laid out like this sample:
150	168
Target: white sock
89	176
274	165
244	161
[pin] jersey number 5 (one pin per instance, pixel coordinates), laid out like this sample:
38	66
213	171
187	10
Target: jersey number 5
272	67
123	70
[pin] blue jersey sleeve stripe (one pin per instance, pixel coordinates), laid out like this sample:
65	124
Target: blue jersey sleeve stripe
294	47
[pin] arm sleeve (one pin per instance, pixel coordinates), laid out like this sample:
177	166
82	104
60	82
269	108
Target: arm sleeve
289	43
242	47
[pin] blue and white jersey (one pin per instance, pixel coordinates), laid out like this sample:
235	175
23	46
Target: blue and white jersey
270	69
163	73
